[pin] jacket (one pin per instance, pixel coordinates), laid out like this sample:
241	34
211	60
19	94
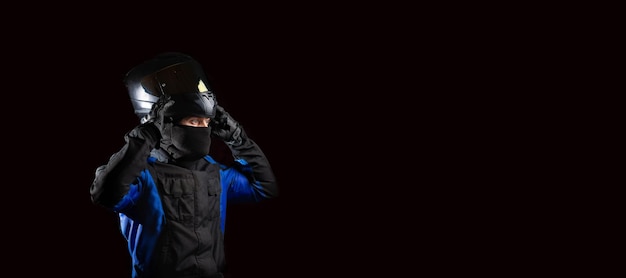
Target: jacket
173	215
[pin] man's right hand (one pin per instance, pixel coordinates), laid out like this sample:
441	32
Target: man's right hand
157	112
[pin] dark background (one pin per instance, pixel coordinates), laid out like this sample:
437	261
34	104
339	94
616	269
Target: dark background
384	125
315	87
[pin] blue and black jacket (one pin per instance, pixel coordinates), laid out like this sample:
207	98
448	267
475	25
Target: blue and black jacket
173	215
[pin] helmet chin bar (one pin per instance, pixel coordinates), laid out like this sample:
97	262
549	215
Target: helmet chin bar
142	101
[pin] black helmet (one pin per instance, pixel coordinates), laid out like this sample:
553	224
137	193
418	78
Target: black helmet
173	75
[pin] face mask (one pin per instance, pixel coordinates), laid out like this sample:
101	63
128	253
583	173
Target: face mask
187	142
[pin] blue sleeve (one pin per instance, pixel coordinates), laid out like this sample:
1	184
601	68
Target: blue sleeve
240	184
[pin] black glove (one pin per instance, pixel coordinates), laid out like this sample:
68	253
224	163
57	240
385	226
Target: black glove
223	126
147	131
156	115
152	128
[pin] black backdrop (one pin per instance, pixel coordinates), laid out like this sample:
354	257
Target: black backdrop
368	113
313	87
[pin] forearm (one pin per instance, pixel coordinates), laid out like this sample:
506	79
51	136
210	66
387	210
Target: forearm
256	167
112	181
259	165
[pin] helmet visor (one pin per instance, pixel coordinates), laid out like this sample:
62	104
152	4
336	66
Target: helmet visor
181	78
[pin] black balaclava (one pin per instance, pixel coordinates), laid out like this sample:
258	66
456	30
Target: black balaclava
186	143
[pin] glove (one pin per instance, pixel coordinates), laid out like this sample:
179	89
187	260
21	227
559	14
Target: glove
156	116
152	128
223	126
147	131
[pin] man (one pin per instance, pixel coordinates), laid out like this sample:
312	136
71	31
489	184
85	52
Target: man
170	194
